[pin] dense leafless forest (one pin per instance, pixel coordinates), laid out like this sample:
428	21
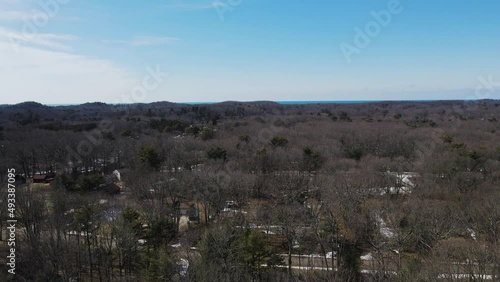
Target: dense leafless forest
385	191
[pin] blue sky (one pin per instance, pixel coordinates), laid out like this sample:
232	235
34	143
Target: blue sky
79	51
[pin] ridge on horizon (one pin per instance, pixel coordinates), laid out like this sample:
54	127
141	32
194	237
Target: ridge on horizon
282	102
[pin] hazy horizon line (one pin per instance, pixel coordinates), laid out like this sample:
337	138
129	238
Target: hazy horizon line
282	102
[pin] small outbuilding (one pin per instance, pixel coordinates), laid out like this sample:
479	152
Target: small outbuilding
43	178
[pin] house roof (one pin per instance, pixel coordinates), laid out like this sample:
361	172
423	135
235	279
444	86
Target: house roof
40	177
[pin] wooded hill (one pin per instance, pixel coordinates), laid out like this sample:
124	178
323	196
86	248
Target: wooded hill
383	191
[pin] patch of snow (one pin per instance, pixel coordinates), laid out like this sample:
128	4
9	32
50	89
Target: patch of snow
267	232
82	233
385	231
69	211
465	276
331	254
184	265
366	257
472	234
118	175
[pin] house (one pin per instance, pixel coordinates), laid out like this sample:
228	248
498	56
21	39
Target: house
44	178
230	205
190	211
184	209
111	188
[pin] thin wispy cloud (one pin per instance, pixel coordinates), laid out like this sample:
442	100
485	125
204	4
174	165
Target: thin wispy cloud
190	5
59	76
48	40
19	15
144	41
15	15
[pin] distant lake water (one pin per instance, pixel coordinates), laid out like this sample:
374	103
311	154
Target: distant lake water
319	102
313	102
326	102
